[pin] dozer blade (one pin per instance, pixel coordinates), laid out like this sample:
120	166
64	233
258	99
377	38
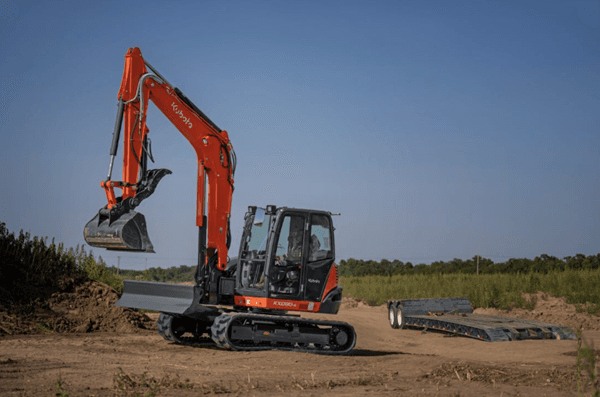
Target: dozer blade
127	233
166	298
162	297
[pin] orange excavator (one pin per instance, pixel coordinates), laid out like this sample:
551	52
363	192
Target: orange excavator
286	255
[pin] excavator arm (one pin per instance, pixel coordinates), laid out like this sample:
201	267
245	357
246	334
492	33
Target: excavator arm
117	226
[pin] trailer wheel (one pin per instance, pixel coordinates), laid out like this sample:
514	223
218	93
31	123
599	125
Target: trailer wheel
399	318
393	315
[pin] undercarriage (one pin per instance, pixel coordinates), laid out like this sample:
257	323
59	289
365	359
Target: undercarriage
251	332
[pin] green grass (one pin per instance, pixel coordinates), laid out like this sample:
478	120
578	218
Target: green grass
97	270
45	328
486	290
590	308
59	387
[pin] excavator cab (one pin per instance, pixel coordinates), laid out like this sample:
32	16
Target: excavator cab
287	254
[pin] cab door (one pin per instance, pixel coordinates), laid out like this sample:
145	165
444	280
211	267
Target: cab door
287	257
320	255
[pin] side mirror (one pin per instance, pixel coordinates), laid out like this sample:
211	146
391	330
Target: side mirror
259	216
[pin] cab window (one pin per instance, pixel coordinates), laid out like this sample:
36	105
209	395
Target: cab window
285	272
320	238
289	246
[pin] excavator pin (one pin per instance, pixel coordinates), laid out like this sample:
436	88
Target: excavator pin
127	233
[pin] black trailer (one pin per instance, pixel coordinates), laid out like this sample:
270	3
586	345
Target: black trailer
455	316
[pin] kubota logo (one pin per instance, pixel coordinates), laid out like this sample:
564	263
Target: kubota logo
315	281
186	120
288	304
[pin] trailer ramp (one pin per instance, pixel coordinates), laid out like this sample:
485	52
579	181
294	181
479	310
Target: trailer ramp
455	316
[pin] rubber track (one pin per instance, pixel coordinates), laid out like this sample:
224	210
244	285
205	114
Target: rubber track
164	329
164	326
220	334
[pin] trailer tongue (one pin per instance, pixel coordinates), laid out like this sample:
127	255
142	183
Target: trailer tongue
455	316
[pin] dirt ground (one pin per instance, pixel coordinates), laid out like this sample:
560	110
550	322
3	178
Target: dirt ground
96	349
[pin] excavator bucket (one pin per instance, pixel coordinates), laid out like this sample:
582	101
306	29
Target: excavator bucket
127	233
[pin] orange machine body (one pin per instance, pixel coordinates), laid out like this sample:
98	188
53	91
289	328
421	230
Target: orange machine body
212	147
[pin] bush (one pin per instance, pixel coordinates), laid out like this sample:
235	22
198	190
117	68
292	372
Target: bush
31	271
97	270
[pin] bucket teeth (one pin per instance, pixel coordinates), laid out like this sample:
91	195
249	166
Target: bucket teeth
127	233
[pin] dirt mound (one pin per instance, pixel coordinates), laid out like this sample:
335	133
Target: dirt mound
87	307
350	302
549	309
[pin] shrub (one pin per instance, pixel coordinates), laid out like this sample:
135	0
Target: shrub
31	271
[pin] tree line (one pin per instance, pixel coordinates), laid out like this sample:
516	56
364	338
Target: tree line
540	264
31	269
173	274
358	267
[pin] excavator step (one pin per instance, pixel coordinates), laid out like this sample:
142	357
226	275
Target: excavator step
455	316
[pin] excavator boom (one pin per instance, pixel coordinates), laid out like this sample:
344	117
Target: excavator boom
117	226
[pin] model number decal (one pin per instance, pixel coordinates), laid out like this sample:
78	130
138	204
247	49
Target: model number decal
178	112
288	304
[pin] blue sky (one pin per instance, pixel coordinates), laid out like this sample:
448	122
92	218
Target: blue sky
439	130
